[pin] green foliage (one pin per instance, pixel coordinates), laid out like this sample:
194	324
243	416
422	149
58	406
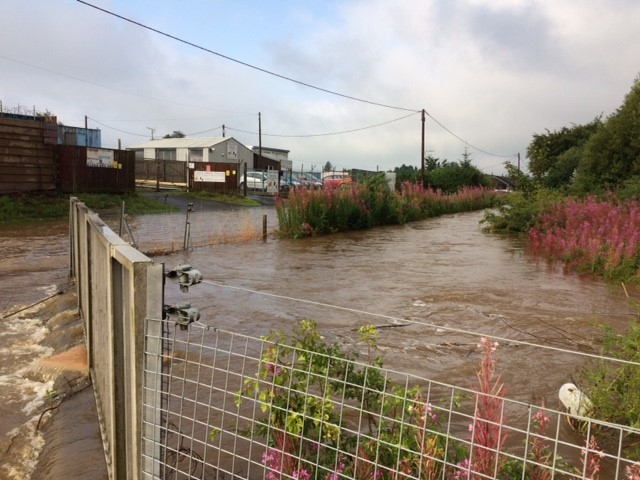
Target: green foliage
546	151
562	171
406	173
299	386
370	204
520	211
327	167
29	208
630	189
451	177
611	155
229	199
613	387
175	134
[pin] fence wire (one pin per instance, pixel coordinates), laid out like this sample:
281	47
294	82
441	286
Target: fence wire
236	406
172	232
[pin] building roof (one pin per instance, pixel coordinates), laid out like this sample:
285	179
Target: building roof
255	148
182	143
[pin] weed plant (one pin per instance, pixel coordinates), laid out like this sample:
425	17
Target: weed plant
362	206
328	414
591	236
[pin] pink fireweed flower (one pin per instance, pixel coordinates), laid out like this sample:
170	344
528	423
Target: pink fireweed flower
301	474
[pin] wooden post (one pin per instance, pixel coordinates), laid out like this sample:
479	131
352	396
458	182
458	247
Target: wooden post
264	228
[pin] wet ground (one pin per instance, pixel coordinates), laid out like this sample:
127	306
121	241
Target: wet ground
435	283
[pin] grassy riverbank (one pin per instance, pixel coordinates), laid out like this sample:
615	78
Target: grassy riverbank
26	208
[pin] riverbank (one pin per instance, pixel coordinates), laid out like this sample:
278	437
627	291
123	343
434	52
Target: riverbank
55	432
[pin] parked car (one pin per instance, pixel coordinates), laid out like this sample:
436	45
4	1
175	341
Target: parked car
255	181
291	182
337	181
309	181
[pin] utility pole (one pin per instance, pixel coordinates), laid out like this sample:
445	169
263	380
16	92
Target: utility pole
422	148
518	161
223	130
260	135
152	130
85	123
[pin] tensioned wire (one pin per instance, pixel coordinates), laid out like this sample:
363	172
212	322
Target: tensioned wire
417	322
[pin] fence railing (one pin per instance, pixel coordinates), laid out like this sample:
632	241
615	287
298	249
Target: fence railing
118	288
189	401
244	407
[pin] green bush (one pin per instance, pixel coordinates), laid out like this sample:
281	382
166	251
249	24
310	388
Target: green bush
519	211
613	387
371	204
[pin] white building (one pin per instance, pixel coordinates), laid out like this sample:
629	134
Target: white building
192	150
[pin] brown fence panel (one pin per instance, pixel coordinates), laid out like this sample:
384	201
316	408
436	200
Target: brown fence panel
75	176
26	163
169	171
230	185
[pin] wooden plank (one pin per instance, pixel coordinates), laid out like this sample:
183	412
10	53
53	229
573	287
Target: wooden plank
17	143
26	187
25	152
28	170
31	159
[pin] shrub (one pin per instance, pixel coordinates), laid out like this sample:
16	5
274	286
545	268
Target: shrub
371	204
592	236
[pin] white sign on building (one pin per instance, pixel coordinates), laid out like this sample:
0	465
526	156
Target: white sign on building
97	157
232	151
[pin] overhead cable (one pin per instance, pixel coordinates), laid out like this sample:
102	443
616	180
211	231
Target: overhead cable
117	129
325	134
119	90
240	62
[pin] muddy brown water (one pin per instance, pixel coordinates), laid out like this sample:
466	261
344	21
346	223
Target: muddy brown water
433	276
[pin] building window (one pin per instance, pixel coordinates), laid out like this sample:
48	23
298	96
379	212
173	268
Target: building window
195	155
166	154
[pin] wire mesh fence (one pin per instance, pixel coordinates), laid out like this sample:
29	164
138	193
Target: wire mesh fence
171	232
236	406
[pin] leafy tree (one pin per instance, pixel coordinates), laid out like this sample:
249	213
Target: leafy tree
466	158
612	154
451	177
327	167
547	150
431	163
175	134
406	173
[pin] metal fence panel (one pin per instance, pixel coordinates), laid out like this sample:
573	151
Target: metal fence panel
118	287
243	407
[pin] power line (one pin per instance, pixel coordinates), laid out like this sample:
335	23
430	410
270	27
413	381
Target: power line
325	134
117	129
101	85
240	62
464	141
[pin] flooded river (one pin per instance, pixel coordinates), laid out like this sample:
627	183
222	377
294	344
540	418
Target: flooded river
437	284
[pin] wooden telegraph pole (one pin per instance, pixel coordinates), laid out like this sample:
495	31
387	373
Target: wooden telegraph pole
422	149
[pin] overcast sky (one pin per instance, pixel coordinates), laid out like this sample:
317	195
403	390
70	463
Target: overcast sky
491	72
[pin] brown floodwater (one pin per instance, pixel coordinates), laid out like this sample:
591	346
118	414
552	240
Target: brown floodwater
438	284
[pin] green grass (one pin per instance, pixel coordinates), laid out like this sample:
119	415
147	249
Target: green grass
26	208
218	197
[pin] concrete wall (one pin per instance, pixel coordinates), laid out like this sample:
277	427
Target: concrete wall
118	289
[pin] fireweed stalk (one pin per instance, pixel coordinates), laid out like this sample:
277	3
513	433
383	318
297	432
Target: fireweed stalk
592	236
487	435
320	212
